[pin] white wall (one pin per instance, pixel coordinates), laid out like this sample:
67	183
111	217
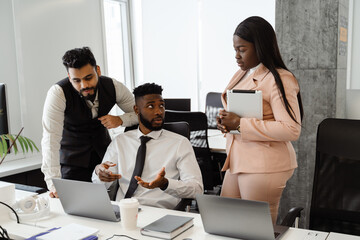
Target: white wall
187	45
8	65
43	30
218	22
169	43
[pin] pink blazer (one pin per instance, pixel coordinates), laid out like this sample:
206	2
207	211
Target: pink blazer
264	145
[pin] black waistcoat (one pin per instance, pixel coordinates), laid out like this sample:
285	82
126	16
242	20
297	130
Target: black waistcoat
83	134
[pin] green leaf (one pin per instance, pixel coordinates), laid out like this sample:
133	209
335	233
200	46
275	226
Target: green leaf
25	143
21	141
5	147
12	140
29	143
34	145
1	150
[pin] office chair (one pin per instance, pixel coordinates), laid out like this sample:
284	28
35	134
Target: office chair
335	203
212	106
198	138
292	217
178	104
181	128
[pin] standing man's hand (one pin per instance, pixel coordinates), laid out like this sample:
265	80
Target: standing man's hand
159	182
110	121
53	194
104	174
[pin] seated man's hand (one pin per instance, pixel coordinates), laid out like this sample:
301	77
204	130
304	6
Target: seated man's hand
110	121
104	174
53	194
159	182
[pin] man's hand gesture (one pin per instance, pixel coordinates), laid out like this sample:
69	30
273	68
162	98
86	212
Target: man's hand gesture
110	121
159	182
105	175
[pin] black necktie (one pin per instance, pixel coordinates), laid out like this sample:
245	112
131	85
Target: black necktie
139	166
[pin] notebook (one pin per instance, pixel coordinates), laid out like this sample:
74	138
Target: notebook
72	231
245	103
238	218
86	199
167	227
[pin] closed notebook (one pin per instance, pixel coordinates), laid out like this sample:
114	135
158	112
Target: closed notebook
167	227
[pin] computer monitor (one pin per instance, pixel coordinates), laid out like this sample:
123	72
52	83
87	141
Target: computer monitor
178	104
4	124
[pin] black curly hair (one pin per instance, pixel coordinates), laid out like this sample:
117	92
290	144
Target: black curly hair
147	88
78	57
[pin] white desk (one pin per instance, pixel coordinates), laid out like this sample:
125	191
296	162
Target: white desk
147	215
340	236
217	141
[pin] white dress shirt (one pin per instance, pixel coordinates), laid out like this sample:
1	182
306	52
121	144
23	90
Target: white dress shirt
165	149
53	122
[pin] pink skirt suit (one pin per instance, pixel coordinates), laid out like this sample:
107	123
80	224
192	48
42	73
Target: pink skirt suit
261	159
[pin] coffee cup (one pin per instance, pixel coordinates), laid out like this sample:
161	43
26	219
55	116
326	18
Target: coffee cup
129	212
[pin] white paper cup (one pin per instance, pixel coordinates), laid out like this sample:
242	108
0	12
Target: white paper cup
129	212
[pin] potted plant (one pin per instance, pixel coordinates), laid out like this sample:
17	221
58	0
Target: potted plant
25	143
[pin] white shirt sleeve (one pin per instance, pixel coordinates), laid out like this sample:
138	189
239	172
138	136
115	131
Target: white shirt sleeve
52	122
110	155
190	182
125	100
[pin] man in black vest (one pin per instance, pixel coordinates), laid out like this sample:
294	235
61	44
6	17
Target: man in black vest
76	119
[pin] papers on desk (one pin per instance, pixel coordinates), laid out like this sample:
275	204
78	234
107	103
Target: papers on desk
167	227
72	231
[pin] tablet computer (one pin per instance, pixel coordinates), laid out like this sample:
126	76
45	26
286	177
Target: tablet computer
245	103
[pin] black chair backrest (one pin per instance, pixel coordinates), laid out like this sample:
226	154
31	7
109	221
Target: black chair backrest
198	126
198	137
181	128
335	204
178	104
213	105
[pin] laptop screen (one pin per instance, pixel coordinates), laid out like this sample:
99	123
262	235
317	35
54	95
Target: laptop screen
236	218
85	199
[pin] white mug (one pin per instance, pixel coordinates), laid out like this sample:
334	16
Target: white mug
129	213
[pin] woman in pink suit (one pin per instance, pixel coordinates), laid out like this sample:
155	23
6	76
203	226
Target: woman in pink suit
261	158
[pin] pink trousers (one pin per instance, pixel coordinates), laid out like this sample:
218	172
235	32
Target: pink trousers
266	187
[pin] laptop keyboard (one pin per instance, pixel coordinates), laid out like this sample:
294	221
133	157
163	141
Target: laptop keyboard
116	210
276	234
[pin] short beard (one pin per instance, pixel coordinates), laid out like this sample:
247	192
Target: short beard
90	97
149	125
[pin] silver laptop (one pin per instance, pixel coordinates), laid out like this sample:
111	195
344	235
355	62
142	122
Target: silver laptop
238	218
86	199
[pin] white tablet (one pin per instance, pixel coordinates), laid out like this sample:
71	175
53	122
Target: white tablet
245	103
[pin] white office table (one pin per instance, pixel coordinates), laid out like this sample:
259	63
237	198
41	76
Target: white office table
340	236
58	218
217	141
